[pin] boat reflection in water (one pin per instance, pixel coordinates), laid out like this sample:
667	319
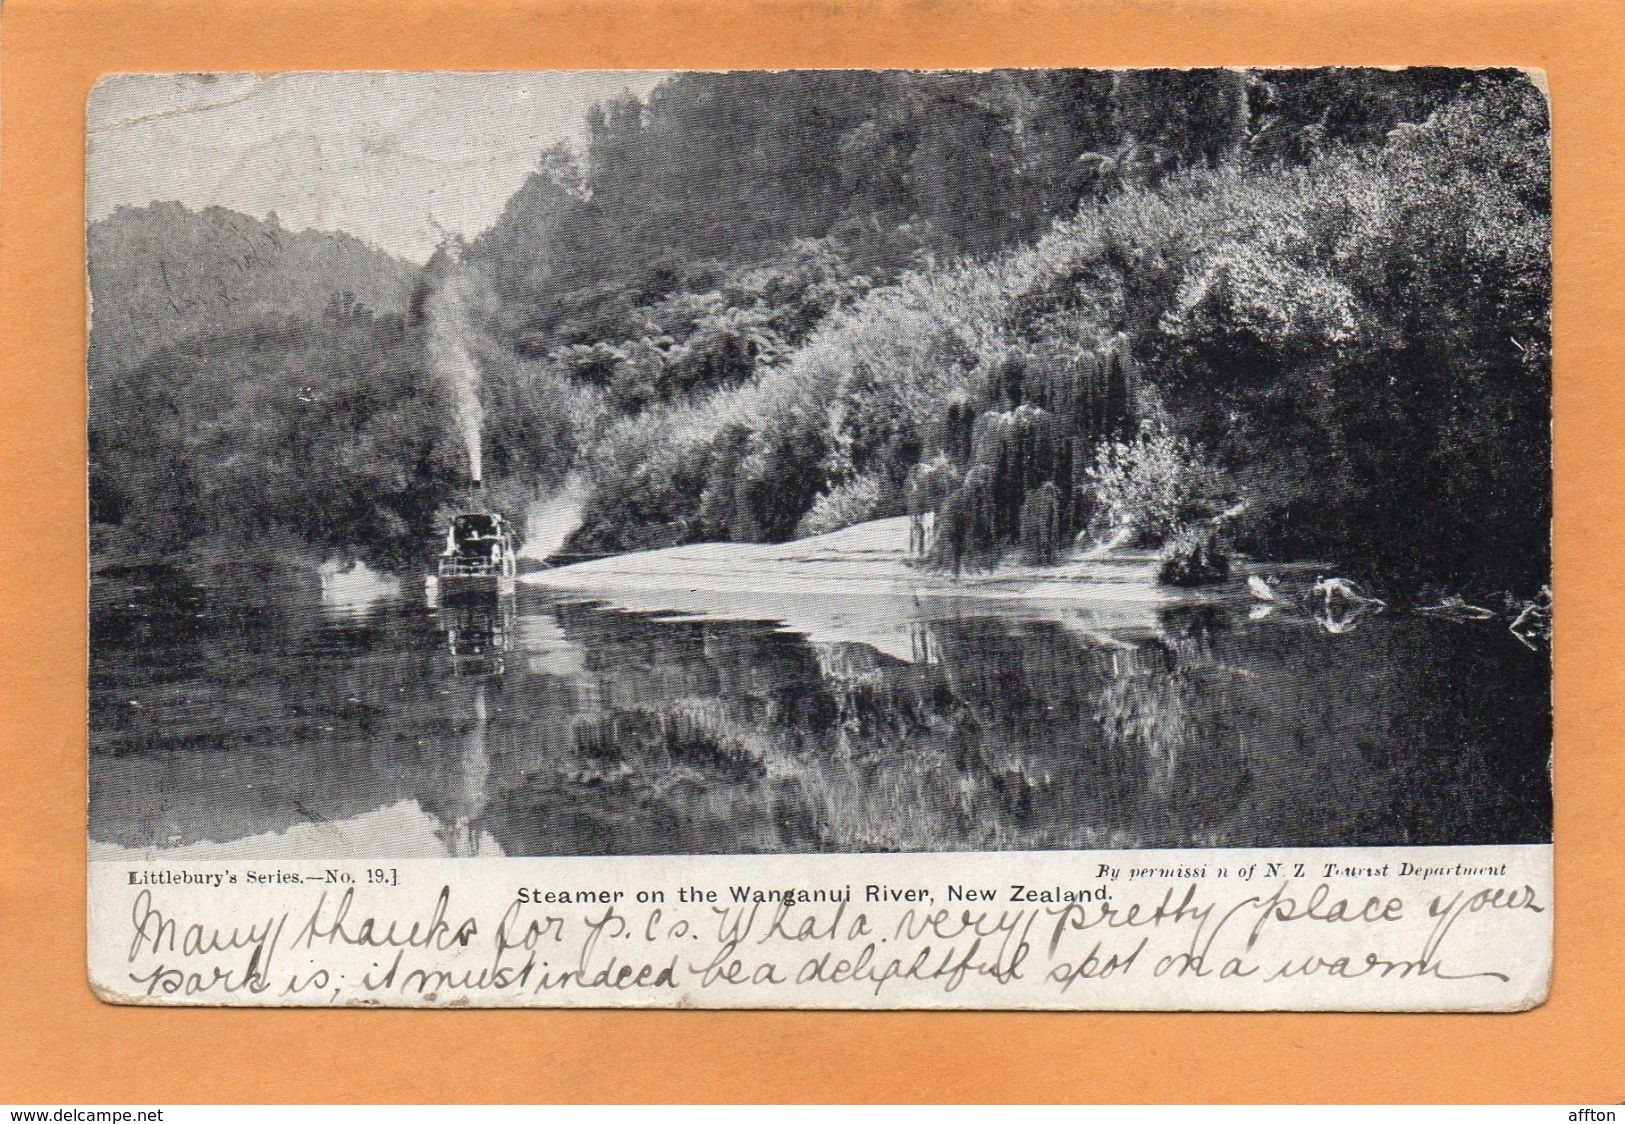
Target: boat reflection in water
472	597
478	626
479	629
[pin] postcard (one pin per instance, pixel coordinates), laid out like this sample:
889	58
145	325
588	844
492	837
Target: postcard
1035	539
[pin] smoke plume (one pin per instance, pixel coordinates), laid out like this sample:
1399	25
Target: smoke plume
452	315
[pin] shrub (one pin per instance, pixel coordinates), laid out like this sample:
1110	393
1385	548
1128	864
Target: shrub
842	506
1021	449
1193	557
1153	485
648	476
725	514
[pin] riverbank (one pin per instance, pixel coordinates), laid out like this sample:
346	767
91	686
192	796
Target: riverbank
856	585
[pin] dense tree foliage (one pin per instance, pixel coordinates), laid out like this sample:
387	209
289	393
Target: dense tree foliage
330	435
1348	330
324	429
1019	305
704	232
245	388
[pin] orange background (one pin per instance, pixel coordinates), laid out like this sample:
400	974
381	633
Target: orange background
58	1044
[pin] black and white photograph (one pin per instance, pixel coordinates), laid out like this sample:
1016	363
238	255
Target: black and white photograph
617	463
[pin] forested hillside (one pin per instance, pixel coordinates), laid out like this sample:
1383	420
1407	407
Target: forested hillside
162	273
257	385
703	233
1329	289
1024	305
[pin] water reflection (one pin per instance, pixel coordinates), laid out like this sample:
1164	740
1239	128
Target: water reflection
261	717
353	590
479	630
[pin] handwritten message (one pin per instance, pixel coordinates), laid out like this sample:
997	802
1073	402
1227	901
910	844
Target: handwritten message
1461	928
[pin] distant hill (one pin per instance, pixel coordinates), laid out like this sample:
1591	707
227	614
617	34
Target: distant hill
161	274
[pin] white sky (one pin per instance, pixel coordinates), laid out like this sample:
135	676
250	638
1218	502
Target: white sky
382	156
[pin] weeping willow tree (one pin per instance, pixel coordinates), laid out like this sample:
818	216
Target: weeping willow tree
953	436
966	537
1095	394
1041	529
1021	449
929	485
1009	466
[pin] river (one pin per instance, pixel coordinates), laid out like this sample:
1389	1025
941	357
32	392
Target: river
343	715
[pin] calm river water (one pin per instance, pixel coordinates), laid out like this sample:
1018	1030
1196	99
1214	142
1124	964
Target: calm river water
290	717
